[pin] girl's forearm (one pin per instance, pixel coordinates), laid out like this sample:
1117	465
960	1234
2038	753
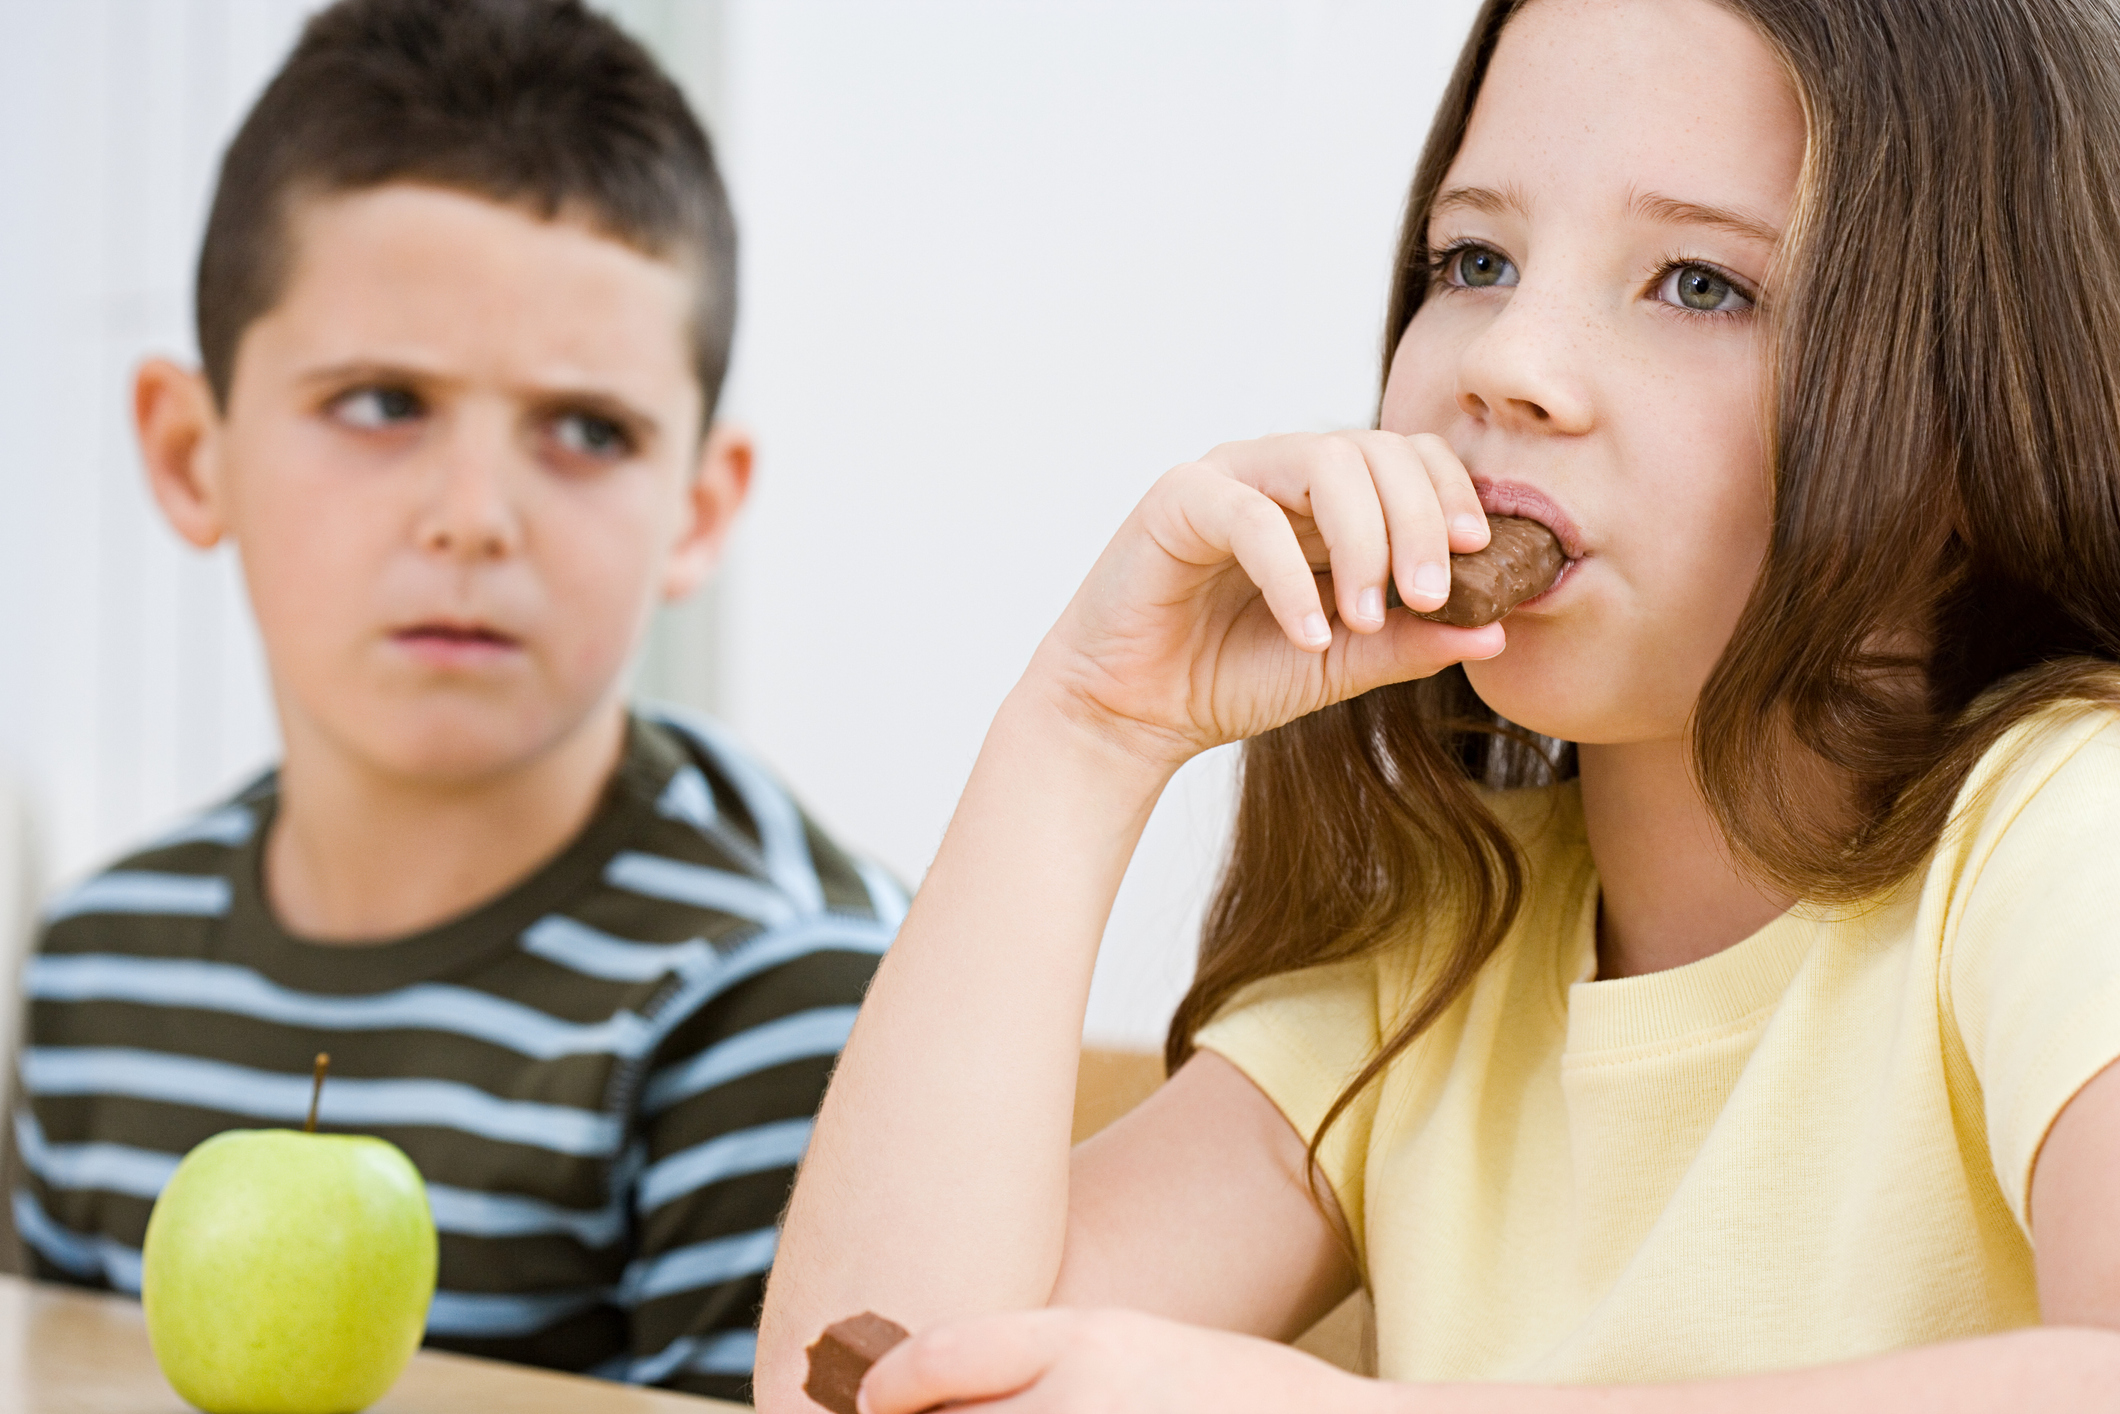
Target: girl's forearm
936	1182
2053	1369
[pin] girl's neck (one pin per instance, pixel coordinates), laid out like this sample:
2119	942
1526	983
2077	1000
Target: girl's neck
1670	892
359	855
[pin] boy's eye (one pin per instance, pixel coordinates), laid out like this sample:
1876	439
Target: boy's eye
1479	267
1702	288
585	434
369	408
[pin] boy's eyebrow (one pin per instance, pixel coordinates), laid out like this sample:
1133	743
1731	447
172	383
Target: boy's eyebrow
640	422
1671	210
593	400
355	369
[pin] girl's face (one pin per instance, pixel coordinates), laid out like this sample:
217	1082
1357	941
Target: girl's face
1591	344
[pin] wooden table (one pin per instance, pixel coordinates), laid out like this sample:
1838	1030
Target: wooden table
64	1351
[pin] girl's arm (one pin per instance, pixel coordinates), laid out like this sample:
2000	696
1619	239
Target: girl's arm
1124	1362
937	1185
1118	1362
1195	1206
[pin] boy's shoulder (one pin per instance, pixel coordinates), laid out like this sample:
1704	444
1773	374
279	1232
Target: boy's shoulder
694	834
182	876
713	801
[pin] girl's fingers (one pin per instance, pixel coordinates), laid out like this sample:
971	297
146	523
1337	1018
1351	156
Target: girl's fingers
1385	507
1407	648
1454	492
1414	517
1329	481
984	1358
1344	505
1210	517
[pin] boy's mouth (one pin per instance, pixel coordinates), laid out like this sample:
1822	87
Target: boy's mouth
447	642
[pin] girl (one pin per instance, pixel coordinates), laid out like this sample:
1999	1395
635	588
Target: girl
1700	985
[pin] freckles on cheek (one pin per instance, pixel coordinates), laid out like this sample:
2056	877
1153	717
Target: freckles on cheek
1421	393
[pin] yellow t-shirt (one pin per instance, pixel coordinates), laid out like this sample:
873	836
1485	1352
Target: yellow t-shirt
1812	1146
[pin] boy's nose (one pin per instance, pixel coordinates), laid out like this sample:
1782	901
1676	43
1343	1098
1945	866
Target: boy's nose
1525	369
470	515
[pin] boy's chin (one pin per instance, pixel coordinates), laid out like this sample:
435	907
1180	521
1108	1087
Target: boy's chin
453	742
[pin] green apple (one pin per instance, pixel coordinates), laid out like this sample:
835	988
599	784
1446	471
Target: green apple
288	1272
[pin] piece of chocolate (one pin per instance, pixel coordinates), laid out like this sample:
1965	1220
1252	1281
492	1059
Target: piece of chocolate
1522	559
843	1354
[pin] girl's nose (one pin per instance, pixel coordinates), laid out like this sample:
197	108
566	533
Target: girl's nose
1525	370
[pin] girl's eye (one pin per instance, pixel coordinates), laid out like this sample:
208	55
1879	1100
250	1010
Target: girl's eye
1702	288
1478	267
373	408
584	434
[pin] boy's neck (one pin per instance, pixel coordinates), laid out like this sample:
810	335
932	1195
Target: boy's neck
357	855
1669	891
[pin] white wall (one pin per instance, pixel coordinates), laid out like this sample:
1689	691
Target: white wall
1005	262
130	683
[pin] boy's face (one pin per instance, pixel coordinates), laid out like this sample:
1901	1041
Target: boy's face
461	459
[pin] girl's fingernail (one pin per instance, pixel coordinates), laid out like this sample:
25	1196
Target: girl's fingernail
1371	604
1432	581
1315	629
1471	524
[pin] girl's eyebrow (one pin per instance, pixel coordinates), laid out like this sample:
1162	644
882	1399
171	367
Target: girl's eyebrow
1653	206
1671	211
1495	201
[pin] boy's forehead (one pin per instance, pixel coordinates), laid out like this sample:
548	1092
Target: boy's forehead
403	268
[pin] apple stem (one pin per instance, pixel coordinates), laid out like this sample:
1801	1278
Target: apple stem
316	1090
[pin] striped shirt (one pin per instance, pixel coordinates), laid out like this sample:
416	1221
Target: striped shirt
606	1075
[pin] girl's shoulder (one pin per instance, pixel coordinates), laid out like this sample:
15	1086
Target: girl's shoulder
2017	905
2056	773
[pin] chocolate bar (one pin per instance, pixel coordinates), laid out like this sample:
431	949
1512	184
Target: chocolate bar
1522	559
843	1354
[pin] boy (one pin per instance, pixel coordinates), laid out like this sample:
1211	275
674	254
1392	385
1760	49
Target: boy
464	306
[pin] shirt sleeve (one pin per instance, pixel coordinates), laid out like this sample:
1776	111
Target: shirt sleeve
1301	1037
726	1110
2032	968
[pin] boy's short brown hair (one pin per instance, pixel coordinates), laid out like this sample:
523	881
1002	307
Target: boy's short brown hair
534	103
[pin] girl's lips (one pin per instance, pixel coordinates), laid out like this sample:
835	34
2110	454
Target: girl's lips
1567	569
1514	498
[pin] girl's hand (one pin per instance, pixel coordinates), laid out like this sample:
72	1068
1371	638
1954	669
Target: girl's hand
1203	621
1101	1362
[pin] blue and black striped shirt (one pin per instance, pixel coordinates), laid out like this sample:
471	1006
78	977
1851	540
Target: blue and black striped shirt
606	1075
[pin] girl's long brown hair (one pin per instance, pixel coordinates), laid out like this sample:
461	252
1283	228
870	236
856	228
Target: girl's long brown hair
1945	553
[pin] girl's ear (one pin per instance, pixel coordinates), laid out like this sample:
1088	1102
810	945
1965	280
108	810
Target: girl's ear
179	430
720	482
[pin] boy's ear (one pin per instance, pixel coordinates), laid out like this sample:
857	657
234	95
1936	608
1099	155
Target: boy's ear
720	483
179	430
